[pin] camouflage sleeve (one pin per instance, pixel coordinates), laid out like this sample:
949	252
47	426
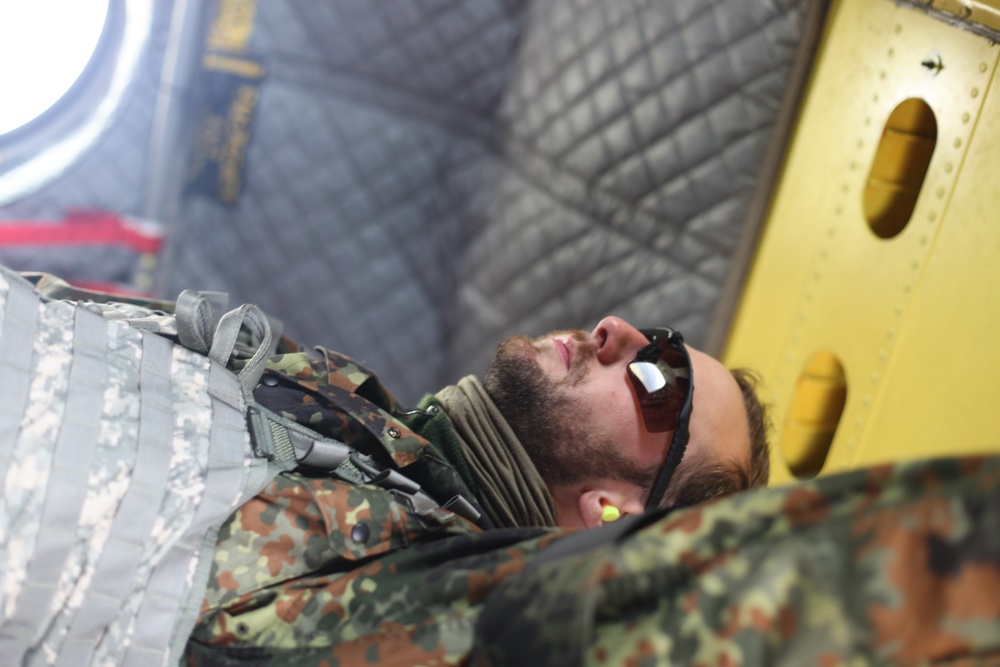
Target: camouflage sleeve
886	566
288	561
893	565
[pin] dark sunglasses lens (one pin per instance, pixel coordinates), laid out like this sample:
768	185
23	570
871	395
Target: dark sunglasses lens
661	384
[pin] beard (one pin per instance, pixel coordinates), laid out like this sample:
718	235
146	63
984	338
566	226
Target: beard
550	424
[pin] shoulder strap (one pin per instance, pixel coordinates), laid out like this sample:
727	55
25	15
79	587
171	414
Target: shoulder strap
284	440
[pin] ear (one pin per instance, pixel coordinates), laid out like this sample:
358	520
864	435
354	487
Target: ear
591	502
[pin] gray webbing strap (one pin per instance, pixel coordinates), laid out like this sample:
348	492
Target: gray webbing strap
227	334
67	487
283	448
17	339
168	603
285	440
130	534
196	319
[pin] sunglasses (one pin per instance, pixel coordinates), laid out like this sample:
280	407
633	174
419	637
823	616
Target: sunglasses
662	377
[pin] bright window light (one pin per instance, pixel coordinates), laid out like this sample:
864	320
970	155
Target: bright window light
44	47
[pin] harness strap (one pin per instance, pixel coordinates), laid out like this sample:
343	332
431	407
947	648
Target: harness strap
282	439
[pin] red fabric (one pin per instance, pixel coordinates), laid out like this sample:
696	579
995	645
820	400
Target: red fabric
80	228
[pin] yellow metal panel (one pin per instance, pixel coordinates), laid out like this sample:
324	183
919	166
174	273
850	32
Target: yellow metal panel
945	371
908	317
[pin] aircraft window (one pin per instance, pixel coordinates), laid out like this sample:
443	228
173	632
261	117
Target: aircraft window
45	46
66	69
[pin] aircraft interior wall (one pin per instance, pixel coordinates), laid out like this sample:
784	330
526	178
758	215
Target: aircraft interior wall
411	183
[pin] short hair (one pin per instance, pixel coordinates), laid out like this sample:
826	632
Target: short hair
700	481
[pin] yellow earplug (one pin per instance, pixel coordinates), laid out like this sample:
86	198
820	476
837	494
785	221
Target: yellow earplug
610	513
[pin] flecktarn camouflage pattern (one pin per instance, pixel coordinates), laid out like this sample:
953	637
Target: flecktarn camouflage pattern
893	565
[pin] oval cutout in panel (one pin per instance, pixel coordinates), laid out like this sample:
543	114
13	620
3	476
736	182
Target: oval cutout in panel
816	407
899	167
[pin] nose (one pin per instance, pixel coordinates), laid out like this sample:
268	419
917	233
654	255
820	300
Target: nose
617	340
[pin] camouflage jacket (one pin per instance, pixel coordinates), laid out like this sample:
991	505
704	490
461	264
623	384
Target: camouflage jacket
306	524
339	398
893	565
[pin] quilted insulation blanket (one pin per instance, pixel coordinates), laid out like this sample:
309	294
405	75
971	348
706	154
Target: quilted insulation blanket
427	177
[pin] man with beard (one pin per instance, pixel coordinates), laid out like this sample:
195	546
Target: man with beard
570	430
571	401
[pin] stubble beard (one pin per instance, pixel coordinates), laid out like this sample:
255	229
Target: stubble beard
544	416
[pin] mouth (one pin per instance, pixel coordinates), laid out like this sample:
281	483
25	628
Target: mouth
565	352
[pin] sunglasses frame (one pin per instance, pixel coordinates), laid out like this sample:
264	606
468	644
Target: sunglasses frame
679	441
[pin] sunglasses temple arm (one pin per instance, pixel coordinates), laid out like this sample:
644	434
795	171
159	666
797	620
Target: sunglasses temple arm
676	453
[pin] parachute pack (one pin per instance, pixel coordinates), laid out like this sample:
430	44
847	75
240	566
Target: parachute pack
128	434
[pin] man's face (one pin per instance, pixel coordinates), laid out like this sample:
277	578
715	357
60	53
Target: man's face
568	397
